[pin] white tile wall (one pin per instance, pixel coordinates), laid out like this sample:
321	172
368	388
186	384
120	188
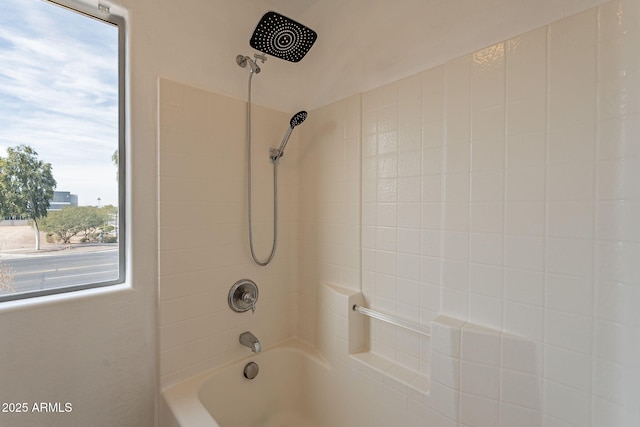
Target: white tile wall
526	192
499	189
329	229
202	230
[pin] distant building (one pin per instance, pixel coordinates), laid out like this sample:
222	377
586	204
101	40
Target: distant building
62	199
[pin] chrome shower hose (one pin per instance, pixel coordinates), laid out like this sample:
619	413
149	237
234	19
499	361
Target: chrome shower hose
250	191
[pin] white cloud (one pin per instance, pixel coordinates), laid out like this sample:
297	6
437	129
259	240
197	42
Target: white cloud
58	93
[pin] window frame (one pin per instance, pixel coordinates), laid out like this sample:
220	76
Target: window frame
104	14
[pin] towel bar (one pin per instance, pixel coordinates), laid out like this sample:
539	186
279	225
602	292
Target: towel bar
420	329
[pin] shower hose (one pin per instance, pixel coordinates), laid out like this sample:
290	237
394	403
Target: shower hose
250	190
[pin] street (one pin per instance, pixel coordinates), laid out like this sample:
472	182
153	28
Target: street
36	273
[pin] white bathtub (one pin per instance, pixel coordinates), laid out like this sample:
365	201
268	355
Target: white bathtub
285	392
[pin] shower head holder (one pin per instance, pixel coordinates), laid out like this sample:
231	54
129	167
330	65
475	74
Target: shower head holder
243	60
296	120
282	37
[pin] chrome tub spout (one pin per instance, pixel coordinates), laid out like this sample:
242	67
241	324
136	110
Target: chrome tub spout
247	339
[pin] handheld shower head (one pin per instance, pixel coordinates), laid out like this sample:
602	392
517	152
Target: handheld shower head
297	119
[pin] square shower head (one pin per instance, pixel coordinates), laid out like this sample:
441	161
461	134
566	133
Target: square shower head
282	37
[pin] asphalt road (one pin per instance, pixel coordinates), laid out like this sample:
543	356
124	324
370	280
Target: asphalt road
68	269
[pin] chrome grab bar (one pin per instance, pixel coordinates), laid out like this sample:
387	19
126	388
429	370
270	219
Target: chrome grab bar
420	329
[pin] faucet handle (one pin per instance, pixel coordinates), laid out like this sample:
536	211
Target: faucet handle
243	296
249	299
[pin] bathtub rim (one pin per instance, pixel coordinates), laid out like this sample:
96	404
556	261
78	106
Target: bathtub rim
183	398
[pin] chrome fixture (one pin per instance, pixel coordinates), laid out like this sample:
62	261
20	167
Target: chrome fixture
251	370
415	327
274	155
286	39
247	339
297	119
243	296
242	61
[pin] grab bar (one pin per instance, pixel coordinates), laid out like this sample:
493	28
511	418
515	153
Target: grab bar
422	330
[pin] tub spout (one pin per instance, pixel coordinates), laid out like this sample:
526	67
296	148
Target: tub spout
247	339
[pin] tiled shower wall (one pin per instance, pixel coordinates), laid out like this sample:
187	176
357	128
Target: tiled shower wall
502	188
203	229
329	194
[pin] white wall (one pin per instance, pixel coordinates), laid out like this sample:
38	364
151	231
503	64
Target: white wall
106	344
97	349
499	189
363	45
360	45
329	196
203	227
524	209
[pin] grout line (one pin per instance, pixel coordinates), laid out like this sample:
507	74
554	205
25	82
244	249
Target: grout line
594	243
546	217
504	229
470	198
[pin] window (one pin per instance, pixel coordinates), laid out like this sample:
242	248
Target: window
62	151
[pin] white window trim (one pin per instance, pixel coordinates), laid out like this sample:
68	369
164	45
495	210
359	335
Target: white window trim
11	301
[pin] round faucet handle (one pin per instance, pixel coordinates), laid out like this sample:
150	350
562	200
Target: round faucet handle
243	296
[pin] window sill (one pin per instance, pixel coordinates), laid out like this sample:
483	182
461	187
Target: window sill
65	297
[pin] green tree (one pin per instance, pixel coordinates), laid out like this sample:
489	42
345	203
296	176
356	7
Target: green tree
73	220
91	219
64	224
3	192
27	185
115	158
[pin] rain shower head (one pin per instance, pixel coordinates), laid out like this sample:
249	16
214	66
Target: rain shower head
282	37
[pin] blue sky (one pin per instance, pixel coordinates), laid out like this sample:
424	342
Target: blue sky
58	94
